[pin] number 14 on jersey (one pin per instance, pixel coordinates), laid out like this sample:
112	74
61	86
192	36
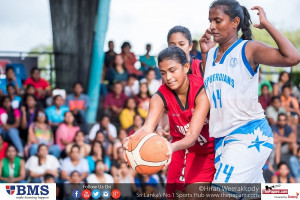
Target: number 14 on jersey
216	96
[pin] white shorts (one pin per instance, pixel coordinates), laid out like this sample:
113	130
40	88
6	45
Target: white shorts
241	155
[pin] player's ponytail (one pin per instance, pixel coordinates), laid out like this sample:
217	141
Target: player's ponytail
245	25
233	9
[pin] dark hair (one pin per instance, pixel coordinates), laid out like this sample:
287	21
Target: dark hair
73	172
77	83
149	70
74	146
80	131
282	163
172	53
282	114
233	9
286	86
48	176
29	86
102	148
110	41
9	68
180	29
10	145
264	85
55	97
37	115
132	76
147	45
10	113
281	74
125	44
74	121
37	154
148	92
274	98
33	69
114	62
126	102
103	116
195	41
138	115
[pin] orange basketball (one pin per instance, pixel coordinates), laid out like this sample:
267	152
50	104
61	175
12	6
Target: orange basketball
147	153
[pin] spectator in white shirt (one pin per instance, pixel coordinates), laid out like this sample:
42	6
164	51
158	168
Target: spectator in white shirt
99	176
109	130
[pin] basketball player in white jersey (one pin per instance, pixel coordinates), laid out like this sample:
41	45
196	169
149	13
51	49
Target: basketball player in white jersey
243	138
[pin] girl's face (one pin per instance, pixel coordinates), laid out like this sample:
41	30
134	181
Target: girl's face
151	75
7	103
30	90
173	73
43	151
30	102
221	26
11	153
138	121
74	155
100	168
79	137
284	170
122	134
179	40
75	178
69	118
284	77
119	60
97	149
11	90
59	101
100	137
143	88
41	117
131	104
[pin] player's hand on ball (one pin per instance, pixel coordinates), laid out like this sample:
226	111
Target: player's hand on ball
169	153
160	131
206	43
262	17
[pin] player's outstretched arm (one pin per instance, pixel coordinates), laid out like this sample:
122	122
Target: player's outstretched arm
196	124
286	55
156	109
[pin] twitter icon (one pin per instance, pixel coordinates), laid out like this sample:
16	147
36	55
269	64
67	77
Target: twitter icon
96	194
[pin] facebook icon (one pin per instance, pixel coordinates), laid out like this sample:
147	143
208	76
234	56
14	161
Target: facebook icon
76	194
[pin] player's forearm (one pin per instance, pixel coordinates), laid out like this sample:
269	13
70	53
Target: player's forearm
186	142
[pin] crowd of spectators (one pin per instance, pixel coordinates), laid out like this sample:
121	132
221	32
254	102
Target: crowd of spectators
45	137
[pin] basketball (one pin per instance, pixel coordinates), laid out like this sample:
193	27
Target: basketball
147	153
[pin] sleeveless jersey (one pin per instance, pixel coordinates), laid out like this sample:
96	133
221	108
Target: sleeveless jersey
231	86
196	68
180	116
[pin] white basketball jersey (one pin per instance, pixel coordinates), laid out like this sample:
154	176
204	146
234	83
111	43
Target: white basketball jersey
232	88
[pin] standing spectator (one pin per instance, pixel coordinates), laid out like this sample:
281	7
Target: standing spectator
114	101
283	135
265	97
40	133
41	164
283	174
12	167
143	98
97	153
109	55
74	163
56	112
295	165
194	52
3	147
129	59
10	79
148	61
99	176
132	87
9	124
66	131
12	93
78	103
41	86
152	83
104	125
117	72
284	79
273	110
128	113
85	149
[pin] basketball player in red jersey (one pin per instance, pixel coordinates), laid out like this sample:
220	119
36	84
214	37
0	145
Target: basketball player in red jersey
183	97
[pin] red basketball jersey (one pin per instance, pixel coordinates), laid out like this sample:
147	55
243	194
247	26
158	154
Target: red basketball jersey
196	68
180	116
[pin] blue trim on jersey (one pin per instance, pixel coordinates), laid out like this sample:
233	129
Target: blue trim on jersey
218	158
228	141
229	50
215	56
268	145
245	61
218	142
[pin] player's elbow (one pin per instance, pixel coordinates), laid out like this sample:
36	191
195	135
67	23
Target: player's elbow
294	60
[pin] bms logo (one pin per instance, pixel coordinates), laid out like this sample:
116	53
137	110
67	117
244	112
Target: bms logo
27	189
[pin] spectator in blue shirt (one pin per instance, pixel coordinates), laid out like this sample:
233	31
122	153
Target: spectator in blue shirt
295	166
10	79
195	53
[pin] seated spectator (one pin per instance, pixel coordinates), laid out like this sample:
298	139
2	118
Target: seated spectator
262	81
29	111
124	181
100	137
85	149
128	113
283	174
40	133
10	79
148	62
194	52
138	122
143	98
283	135
132	87
74	163
41	86
12	167
75	179
295	165
129	59
49	178
56	112
284	79
78	103
114	101
41	164
117	72
9	124
99	176
265	97
3	147
115	164
66	131
30	89
104	125
98	153
118	142
146	184
274	110
11	92
152	83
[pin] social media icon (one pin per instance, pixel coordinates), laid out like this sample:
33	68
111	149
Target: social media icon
96	194
76	194
86	194
106	194
115	194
